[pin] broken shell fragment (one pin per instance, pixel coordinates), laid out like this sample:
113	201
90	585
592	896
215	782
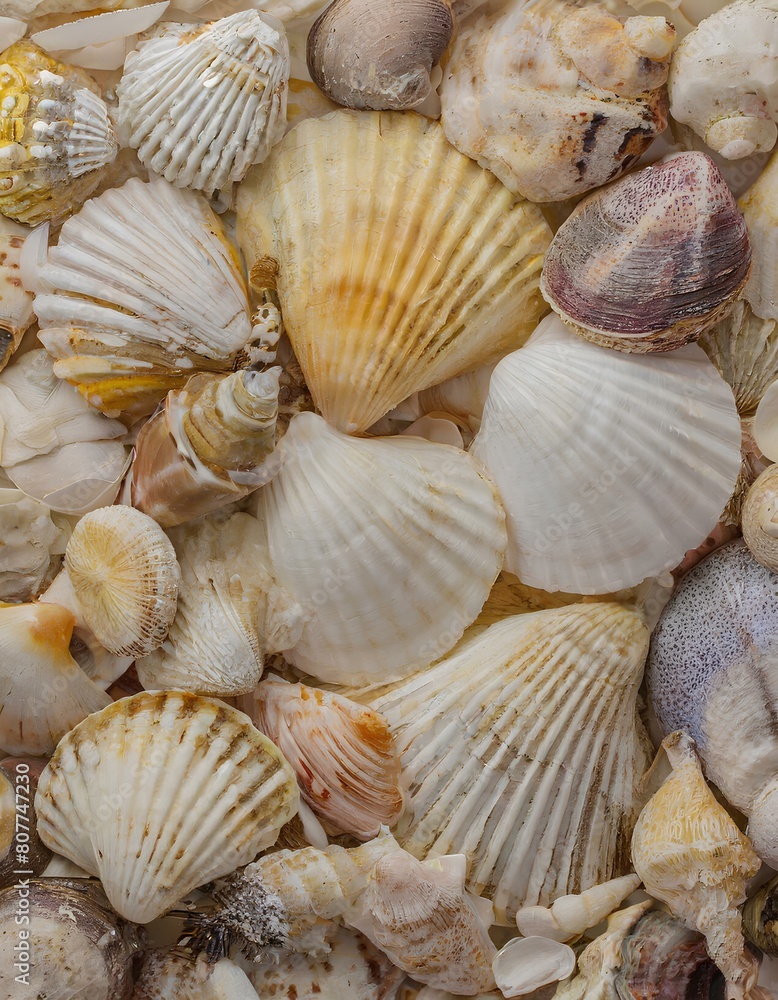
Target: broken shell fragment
170	975
760	519
759	918
569	916
16	313
530	963
651	261
162	792
366	56
33	543
21	849
744	349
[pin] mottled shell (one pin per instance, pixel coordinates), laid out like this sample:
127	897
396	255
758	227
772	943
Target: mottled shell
202	103
173	976
651	261
372	318
760	519
56	136
161	792
125	575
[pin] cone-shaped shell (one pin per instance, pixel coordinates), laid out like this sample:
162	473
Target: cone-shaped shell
125	575
610	465
401	262
523	750
744	348
142	289
569	916
201	104
343	754
161	792
651	261
390	545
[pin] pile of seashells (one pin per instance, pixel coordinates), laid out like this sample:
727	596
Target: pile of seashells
388	516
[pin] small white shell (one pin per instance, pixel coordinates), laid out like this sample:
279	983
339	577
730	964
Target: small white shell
528	964
569	916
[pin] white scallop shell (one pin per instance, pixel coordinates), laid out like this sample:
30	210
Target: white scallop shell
610	466
390	546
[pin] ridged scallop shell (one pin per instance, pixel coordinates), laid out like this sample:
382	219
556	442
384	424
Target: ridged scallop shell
523	750
56	136
590	448
744	349
161	792
202	103
343	754
389	545
649	262
142	290
401	262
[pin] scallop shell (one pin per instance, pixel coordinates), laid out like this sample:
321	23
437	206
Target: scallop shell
161	792
142	289
387	578
523	751
744	349
56	136
343	753
202	103
591	448
449	283
651	261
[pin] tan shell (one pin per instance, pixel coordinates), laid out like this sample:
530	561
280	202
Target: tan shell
176	976
744	348
16	313
760	519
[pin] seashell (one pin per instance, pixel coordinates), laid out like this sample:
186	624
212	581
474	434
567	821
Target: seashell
172	976
16	313
759	915
43	691
125	575
760	519
690	854
373	320
525	965
344	550
744	349
352	968
676	225
201	104
739	118
462	397
569	916
764	427
208	446
21	849
590	448
588	90
161	315
712	657
32	544
759	209
74	942
362	56
306	101
57	136
519	790
161	792
343	754
420	915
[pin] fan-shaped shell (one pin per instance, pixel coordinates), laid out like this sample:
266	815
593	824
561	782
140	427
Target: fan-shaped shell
401	263
202	103
161	792
523	751
744	349
389	545
142	289
592	449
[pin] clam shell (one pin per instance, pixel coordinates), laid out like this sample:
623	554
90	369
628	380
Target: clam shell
161	792
744	349
649	262
591	448
202	103
449	283
389	545
523	751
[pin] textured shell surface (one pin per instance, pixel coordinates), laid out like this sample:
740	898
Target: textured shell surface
744	349
760	519
168	976
142	289
401	263
32	543
162	792
202	103
588	90
16	313
592	448
56	136
350	555
759	206
523	750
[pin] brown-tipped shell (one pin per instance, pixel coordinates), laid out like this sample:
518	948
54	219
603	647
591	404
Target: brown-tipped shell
760	519
651	261
26	851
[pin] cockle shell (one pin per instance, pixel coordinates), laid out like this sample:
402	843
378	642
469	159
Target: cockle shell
202	103
590	448
16	313
343	754
172	976
651	261
588	91
373	319
56	136
388	579
760	519
161	792
32	545
207	447
744	349
690	854
541	800
128	320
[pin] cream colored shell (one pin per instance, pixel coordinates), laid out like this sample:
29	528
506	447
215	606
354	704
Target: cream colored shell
744	349
760	519
173	976
16	313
